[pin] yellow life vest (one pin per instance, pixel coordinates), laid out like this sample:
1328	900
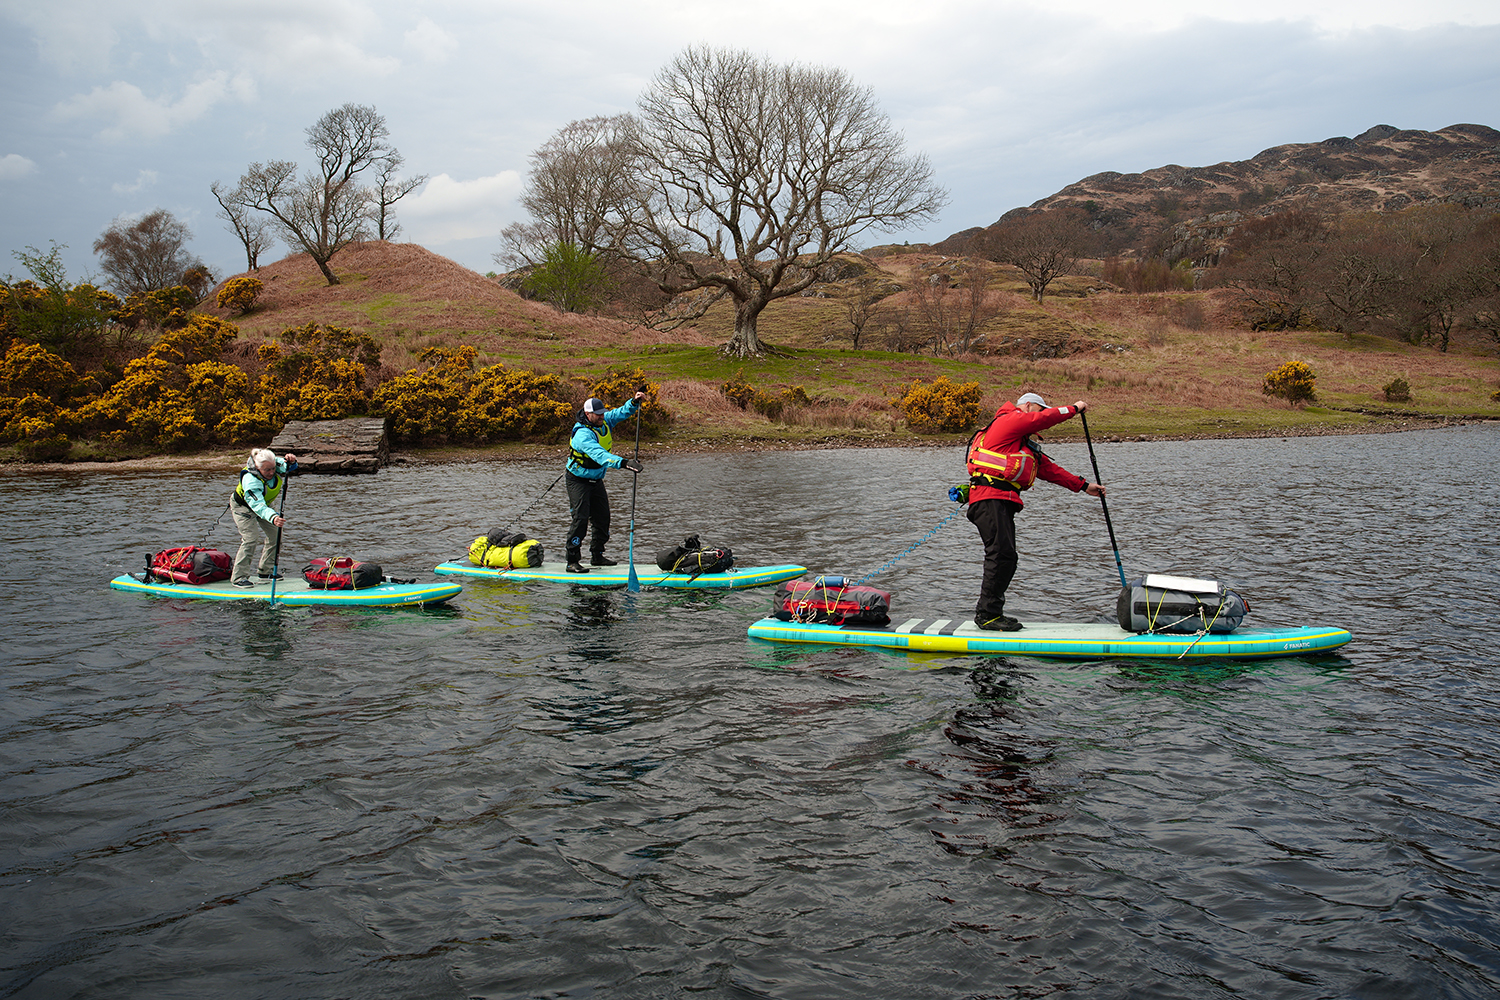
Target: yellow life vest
1004	470
606	441
272	490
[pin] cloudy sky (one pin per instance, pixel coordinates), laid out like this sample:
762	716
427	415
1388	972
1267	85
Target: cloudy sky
117	107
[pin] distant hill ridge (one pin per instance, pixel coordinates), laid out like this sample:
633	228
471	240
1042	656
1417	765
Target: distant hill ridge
1383	169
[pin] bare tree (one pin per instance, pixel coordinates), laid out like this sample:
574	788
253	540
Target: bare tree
977	305
253	231
897	326
147	255
328	209
752	175
1271	262
933	310
581	181
390	189
1044	245
861	309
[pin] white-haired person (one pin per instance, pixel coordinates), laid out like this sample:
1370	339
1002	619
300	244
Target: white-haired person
254	508
589	457
1003	461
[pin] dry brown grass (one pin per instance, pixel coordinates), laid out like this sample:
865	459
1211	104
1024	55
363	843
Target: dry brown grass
1170	363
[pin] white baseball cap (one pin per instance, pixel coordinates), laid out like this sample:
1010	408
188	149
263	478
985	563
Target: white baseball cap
1031	397
594	405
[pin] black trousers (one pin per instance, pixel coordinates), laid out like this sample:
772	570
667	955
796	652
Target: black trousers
590	506
996	521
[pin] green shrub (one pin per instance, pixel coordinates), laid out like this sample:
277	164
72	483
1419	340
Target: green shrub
1397	391
940	406
570	278
1293	381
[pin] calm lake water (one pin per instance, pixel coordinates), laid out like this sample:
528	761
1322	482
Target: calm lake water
560	792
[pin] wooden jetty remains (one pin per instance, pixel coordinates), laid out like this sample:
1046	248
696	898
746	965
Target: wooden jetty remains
358	444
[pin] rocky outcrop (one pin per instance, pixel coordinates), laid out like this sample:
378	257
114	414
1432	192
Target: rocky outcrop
355	445
1176	211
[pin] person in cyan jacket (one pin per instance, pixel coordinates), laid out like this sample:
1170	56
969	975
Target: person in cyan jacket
1003	461
254	508
589	457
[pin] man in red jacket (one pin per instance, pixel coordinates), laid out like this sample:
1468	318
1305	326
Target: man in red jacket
1003	461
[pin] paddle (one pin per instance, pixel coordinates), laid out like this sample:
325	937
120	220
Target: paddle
276	559
633	584
1107	523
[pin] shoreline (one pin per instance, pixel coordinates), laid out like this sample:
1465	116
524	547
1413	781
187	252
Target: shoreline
222	460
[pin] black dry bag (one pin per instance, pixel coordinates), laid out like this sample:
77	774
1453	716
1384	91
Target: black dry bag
1180	605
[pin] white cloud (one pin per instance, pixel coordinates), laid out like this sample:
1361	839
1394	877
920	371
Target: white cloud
432	43
134	115
14	166
446	209
143	180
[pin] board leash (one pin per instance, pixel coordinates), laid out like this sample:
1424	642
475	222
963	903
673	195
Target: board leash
540	497
909	549
203	544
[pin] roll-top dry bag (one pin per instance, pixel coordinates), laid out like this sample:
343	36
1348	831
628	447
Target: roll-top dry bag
830	601
341	573
1179	605
505	551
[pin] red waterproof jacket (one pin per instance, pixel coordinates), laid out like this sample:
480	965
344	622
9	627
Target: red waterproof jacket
998	452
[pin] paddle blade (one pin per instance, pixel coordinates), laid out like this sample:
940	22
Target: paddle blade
633	583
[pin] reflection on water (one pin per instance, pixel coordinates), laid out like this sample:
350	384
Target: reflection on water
567	791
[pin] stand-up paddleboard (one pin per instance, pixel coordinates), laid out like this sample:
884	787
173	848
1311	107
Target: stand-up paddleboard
297	592
1060	640
649	575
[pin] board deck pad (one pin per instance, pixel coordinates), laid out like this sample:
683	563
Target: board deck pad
648	574
296	591
1060	640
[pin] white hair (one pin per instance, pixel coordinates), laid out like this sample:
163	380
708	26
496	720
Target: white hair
259	455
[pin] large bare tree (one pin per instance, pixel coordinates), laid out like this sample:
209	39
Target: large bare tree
750	175
146	255
738	178
327	209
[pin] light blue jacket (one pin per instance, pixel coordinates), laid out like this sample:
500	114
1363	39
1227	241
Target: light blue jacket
585	442
253	488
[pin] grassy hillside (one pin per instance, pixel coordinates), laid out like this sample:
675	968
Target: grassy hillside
1151	366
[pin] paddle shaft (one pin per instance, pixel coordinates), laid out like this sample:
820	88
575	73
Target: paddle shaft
633	583
1105	506
276	559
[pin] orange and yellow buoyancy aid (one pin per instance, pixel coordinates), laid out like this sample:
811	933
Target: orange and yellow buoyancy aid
1003	470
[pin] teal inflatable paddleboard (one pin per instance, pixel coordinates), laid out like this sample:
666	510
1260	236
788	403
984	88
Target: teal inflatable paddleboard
649	575
1060	640
297	592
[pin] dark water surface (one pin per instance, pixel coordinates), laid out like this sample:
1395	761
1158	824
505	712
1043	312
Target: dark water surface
560	792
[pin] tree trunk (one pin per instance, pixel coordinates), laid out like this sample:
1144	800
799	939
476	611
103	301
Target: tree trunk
327	271
746	342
